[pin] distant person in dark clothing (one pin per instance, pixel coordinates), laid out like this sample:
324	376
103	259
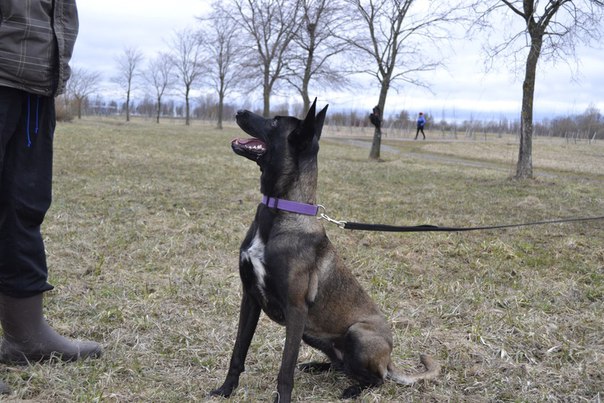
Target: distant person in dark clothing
421	122
375	117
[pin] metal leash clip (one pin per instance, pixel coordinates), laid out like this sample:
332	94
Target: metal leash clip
324	216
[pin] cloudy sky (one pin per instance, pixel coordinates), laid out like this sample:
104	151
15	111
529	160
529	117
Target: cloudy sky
108	26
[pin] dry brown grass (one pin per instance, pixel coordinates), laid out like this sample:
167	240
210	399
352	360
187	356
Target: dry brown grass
143	236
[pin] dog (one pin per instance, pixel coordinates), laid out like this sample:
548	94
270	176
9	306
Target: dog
290	270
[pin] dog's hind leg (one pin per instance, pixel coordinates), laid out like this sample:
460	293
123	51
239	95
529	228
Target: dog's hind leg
324	346
366	358
315	367
248	319
352	392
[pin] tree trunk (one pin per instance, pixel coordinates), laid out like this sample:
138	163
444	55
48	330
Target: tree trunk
306	80
187	108
524	168
308	67
80	108
158	109
305	99
267	101
374	154
266	92
220	109
128	105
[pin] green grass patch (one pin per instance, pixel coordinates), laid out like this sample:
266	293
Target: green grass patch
143	237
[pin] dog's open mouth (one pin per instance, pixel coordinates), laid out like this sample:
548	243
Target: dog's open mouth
251	148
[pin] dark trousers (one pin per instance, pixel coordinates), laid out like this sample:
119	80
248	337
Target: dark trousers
27	124
420	129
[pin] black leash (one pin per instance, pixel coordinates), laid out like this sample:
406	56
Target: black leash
435	228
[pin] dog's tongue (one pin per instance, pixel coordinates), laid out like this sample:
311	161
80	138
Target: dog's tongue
248	142
248	147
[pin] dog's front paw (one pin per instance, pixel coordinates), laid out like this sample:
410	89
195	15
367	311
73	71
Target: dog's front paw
352	392
223	391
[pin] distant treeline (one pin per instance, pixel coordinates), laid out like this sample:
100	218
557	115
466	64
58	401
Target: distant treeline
588	125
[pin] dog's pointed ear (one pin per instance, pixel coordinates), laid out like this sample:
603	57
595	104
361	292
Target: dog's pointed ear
311	126
306	130
314	124
320	119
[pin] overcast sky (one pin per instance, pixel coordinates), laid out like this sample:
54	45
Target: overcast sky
108	26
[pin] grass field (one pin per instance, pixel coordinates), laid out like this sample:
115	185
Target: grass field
143	235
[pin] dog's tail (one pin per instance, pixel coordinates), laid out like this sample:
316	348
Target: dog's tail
431	372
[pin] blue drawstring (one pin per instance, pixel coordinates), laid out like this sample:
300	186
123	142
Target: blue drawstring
27	122
37	112
29	118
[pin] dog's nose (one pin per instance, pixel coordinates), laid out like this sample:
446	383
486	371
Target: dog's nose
242	114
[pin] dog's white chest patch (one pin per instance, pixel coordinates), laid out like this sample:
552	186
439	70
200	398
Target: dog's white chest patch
255	255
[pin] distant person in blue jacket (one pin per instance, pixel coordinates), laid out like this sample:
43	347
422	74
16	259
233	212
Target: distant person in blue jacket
421	122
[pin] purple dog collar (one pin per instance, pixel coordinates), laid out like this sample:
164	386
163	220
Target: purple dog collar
290	206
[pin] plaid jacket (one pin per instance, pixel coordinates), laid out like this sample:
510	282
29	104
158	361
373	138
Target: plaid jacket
36	43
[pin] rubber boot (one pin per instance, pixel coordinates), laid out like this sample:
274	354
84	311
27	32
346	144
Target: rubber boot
29	338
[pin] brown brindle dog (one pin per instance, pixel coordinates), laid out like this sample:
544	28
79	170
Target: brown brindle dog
291	271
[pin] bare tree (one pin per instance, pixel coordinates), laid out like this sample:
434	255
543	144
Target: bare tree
315	45
81	85
390	39
221	41
551	30
160	76
590	122
187	57
270	26
128	63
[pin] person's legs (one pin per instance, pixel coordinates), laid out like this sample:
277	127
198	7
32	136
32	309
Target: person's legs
27	124
26	130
